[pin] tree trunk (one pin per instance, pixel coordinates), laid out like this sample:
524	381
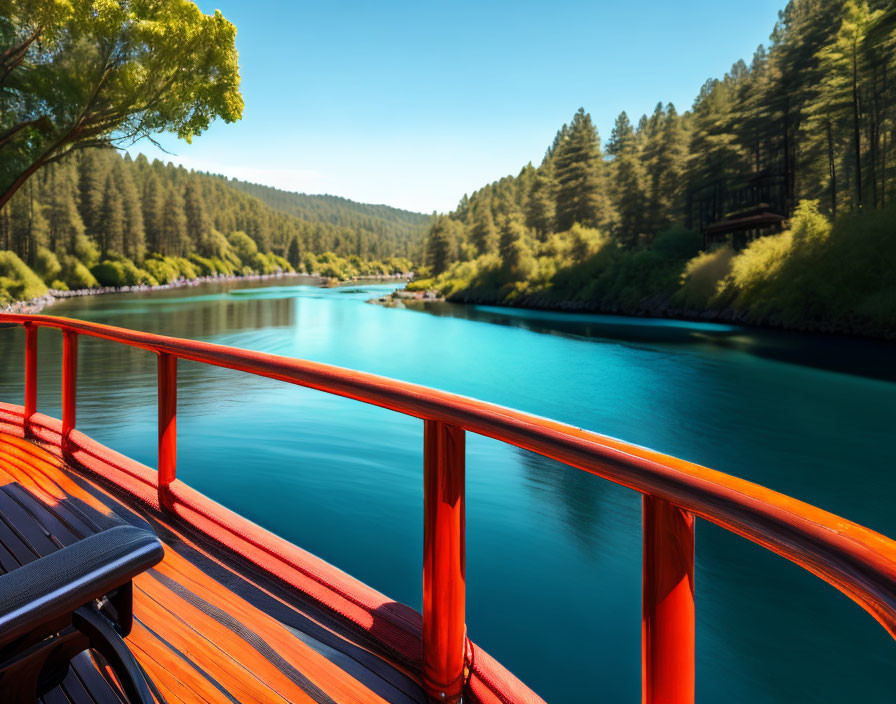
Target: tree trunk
856	125
874	137
832	166
787	208
883	172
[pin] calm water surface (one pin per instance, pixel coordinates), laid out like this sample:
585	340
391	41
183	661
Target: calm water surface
554	555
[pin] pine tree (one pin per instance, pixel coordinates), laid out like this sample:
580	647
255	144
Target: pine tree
19	224
540	206
581	187
65	224
512	231
294	253
439	244
152	206
652	157
111	227
629	182
622	137
631	199
669	171
134	235
92	173
198	223
483	234
843	66
717	159
514	247
173	226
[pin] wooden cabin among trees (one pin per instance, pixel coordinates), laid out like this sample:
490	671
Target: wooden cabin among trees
740	212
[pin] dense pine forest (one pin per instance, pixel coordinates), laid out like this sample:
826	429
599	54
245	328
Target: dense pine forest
101	219
791	153
82	79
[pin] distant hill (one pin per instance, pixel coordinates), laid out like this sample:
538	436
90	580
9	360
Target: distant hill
101	218
404	228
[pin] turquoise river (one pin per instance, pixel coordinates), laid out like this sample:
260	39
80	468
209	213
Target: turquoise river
553	554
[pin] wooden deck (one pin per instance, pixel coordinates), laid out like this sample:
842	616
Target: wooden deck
206	629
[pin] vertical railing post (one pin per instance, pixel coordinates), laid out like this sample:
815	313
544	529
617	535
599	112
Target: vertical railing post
167	426
667	625
30	375
444	562
69	385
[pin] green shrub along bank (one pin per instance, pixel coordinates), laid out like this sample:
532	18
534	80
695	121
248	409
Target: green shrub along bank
96	218
838	277
239	257
17	281
829	277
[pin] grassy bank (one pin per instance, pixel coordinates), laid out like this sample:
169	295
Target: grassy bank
817	276
241	259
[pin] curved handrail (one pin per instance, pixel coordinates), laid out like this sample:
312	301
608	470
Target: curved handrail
856	560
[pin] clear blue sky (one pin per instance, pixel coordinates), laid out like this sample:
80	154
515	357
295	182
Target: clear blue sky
414	104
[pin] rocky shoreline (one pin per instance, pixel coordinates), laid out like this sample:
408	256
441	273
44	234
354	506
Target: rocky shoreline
34	306
397	299
657	307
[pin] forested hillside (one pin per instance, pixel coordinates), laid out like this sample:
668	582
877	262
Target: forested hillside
377	223
617	227
99	218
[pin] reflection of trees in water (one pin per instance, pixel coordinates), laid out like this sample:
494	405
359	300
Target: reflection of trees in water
204	318
12	363
113	378
871	358
583	325
583	500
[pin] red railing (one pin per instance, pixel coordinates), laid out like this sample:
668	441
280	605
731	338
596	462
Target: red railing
855	560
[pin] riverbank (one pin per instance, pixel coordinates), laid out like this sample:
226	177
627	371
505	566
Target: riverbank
656	307
36	305
833	278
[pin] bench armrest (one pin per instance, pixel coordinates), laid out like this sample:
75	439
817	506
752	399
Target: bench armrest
55	585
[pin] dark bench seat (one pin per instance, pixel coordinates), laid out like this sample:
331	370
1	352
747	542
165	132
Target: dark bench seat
66	587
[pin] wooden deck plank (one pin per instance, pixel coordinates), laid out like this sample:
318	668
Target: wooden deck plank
34	468
316	667
313	627
245	674
197	638
178	680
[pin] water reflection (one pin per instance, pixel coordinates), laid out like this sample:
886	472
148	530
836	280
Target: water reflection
553	543
581	499
197	319
869	358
